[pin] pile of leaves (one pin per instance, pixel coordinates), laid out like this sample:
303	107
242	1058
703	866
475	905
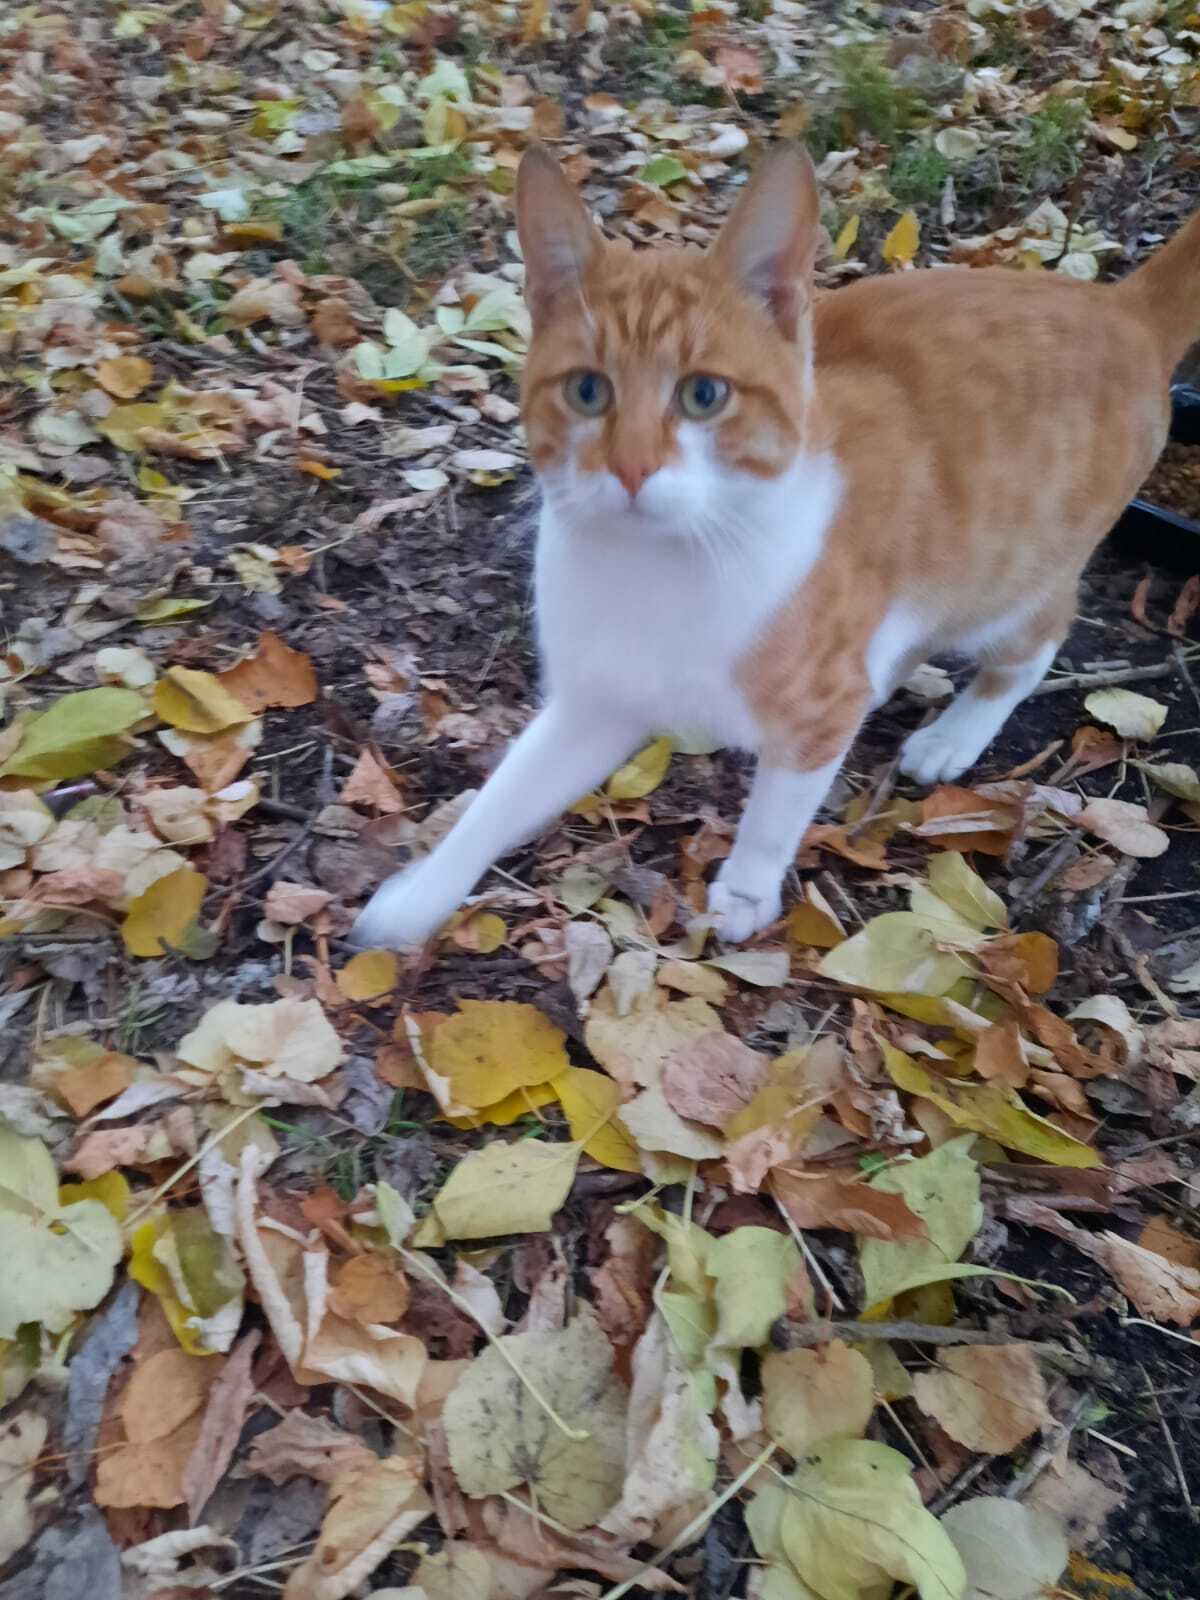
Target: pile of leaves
576	1255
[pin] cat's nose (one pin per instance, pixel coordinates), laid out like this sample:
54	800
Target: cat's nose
632	473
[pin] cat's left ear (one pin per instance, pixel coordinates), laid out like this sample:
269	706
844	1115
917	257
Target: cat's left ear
559	240
769	242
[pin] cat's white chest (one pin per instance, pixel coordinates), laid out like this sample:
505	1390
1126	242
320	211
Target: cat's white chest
654	625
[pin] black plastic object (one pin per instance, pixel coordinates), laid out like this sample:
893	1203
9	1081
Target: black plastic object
1151	533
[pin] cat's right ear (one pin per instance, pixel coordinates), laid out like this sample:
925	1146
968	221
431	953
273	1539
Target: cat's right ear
559	240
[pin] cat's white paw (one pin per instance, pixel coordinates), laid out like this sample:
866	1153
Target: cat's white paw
937	755
402	913
738	911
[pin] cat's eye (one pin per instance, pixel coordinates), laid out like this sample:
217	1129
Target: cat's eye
702	397
589	393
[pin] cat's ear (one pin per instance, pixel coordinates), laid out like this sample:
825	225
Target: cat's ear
559	240
770	240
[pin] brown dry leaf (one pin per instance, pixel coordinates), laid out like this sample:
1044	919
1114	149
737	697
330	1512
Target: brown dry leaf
275	675
293	903
961	819
372	786
161	1414
1180	1249
302	1445
988	1397
371	1509
164	1392
285	1039
224	1416
1030	959
1162	1290
694	978
814	922
369	1289
85	1087
266	299
1126	824
860	848
632	1047
712	1078
850	1203
810	1395
125	376
998	1054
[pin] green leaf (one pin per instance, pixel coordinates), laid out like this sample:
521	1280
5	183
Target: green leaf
752	1269
506	1188
895	953
853	1518
942	1188
663	170
79	734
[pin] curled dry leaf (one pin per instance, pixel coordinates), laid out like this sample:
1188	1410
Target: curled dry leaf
372	786
988	1397
371	1509
284	1039
1161	1290
500	1436
1133	716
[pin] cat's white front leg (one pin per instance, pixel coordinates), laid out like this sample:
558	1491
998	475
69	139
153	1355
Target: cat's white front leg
566	750
746	894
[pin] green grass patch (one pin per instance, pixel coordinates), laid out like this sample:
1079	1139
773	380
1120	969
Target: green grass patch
918	175
1050	149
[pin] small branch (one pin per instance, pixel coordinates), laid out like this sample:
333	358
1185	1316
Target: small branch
801	1335
1051	1443
1169	1439
1056	859
1101	680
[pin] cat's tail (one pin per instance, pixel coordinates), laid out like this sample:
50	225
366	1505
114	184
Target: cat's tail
1167	290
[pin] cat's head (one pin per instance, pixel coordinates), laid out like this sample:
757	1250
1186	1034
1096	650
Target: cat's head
667	390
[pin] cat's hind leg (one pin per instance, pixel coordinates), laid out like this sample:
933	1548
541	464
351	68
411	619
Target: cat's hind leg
1008	672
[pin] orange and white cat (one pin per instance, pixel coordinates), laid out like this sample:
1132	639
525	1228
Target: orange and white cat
761	509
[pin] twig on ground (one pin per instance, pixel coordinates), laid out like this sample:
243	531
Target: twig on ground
1185	671
1169	1439
1052	1441
954	1491
1102	680
1052	865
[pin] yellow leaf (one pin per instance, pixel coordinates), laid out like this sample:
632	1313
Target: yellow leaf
123	425
992	1109
197	702
78	734
163	913
110	1188
482	932
506	1188
317	469
590	1101
847	237
517	1104
125	376
814	922
158	613
491	1047
900	246
642	775
894	953
368	976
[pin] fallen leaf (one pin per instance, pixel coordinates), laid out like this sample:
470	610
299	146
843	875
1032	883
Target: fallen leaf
89	1085
500	1437
814	921
369	1289
942	1189
641	775
953	881
902	240
197	702
894	953
275	675
372	1508
851	1203
631	1043
489	1048
849	1520
989	1397
285	1039
58	1259
1010	1551
1133	716
308	1446
591	1103
1126	824
960	819
158	919
78	735
22	1439
1174	778
998	1054
811	1395
506	1188
712	1078
1162	1290
656	1126
371	786
226	1405
125	376
371	975
293	903
752	1271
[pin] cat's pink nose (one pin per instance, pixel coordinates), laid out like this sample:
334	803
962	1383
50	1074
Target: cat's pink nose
632	474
